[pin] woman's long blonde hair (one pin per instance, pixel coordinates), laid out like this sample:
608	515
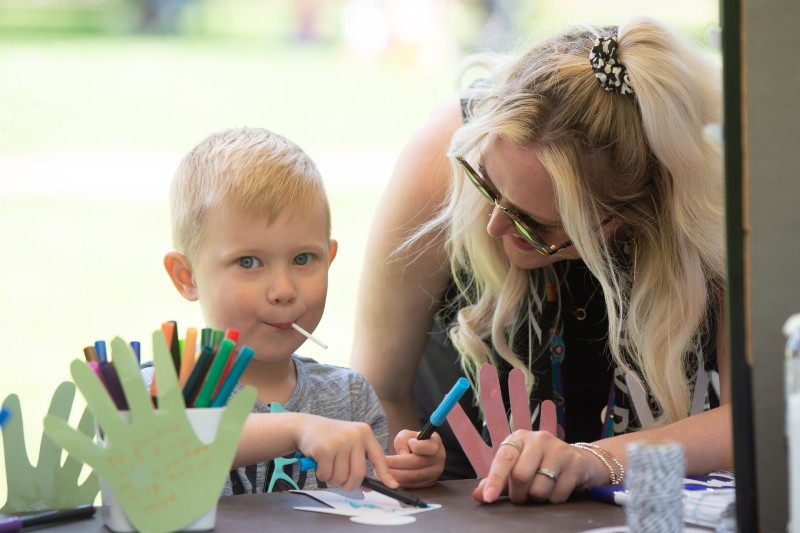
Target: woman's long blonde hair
643	158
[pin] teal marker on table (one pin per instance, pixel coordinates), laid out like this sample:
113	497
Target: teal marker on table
444	408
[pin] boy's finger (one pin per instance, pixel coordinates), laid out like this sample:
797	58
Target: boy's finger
357	470
427	447
378	459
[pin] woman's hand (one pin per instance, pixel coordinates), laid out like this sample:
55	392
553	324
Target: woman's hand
418	463
339	448
535	465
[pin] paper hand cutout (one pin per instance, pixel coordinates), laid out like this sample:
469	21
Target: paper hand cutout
48	485
480	455
164	477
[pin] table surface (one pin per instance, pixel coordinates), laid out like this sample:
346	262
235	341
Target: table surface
459	513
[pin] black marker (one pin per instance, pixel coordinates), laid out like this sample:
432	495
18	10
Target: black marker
398	494
15	523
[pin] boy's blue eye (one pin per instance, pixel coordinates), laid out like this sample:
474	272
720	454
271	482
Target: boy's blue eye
303	259
249	262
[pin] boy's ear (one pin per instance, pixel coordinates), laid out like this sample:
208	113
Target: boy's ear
180	272
333	249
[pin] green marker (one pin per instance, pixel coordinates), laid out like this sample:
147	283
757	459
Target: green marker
210	383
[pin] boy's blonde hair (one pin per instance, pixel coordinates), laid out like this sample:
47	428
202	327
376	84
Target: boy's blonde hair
252	170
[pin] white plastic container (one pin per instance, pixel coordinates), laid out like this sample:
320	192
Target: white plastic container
205	423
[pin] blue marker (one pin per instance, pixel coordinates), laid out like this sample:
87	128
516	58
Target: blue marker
241	362
136	346
444	408
100	348
306	463
5	414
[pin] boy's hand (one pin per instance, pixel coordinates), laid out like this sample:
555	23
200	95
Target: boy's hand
418	463
162	474
340	449
48	485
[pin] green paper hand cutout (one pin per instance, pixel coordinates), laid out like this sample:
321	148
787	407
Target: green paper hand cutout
48	485
164	477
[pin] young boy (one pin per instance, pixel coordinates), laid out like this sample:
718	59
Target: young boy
251	231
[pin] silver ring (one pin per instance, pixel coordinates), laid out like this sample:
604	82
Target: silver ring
547	472
510	442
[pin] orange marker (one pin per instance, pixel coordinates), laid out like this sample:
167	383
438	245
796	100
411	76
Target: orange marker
168	329
187	360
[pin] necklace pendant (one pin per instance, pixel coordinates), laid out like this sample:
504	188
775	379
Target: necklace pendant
579	313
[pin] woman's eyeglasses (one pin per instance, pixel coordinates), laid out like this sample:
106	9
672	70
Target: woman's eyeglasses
521	221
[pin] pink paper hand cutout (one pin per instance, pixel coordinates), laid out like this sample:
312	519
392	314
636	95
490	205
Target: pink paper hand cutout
480	454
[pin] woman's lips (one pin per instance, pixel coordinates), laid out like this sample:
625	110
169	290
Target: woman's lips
520	243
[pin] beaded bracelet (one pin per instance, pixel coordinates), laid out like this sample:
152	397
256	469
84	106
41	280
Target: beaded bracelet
603	455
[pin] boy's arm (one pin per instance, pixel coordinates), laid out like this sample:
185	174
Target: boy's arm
266	436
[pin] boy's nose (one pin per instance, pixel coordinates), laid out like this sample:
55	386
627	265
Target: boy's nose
281	288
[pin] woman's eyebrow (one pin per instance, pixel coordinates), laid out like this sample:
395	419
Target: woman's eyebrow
524	216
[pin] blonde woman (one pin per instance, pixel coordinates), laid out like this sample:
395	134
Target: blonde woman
564	217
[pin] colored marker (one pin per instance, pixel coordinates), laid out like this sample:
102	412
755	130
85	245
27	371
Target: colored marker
90	354
136	347
308	335
113	385
307	463
197	375
232	334
210	383
398	494
242	360
5	414
444	408
223	376
205	337
216	337
100	349
170	331
10	524
108	377
187	359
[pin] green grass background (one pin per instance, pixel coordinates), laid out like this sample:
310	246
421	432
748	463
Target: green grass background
94	117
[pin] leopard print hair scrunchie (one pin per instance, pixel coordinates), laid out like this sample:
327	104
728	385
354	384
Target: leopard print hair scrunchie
612	74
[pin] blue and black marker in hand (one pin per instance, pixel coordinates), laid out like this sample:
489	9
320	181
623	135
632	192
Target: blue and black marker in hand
444	408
